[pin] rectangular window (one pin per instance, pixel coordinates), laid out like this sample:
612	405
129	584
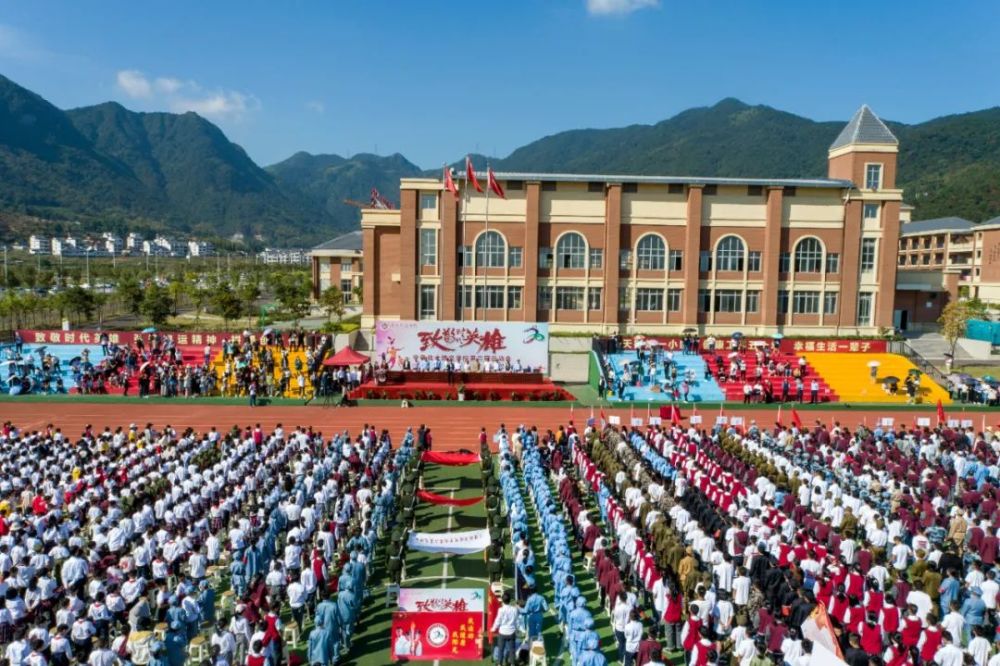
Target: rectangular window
710	190
515	256
569	298
754	190
728	300
630	188
514	298
490	297
545	257
428	201
865	300
790	191
673	300
704	300
675	188
753	262
548	186
596	257
624	299
594	298
545	298
784	261
867	254
873	176
782	301
346	290
648	300
625	260
428	294
465	256
833	262
902	259
428	247
705	261
830	303
346	266
805	302
753	301
871	211
676	260
465	297
513	185
595	187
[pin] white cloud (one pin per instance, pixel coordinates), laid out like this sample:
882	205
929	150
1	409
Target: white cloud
179	95
134	84
168	85
316	106
15	44
618	7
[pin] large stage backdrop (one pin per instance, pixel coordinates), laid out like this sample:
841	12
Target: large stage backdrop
460	341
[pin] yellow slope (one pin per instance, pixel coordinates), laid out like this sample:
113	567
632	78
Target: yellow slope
849	376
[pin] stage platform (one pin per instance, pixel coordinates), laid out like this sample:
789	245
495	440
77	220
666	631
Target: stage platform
542	389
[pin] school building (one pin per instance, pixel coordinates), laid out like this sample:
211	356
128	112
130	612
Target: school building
618	253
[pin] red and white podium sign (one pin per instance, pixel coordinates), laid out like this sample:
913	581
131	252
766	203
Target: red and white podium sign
438	624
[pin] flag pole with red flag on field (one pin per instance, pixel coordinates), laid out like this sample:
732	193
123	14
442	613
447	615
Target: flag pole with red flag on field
777	419
940	413
796	421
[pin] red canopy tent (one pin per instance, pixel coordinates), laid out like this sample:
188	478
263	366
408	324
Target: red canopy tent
346	356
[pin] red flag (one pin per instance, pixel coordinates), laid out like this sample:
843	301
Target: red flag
470	174
796	421
604	419
940	412
492	606
449	182
491	180
675	414
778	419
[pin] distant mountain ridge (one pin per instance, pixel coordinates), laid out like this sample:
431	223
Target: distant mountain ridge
179	172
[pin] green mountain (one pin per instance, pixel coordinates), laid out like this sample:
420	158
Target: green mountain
326	180
176	172
106	166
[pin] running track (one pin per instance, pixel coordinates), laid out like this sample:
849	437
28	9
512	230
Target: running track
452	427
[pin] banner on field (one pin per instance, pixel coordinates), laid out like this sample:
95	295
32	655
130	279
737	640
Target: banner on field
818	628
454	543
427	636
526	344
448	600
55	337
786	345
450	457
444	500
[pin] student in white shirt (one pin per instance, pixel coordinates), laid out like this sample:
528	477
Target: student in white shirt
505	628
633	635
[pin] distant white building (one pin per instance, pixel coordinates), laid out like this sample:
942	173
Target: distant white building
154	249
133	242
39	245
111	243
284	256
66	247
200	249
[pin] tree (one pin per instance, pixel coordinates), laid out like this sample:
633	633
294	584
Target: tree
359	294
226	303
78	301
129	291
200	297
954	319
157	304
332	301
248	293
176	288
292	292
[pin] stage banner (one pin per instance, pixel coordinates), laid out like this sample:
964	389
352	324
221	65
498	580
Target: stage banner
785	345
450	457
428	635
444	500
450	600
454	543
461	341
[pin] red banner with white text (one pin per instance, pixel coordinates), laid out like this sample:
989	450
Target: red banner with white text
444	500
430	635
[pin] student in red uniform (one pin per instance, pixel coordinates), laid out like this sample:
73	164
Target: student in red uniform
930	639
692	628
912	627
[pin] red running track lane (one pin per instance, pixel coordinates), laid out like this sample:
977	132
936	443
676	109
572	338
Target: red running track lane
453	427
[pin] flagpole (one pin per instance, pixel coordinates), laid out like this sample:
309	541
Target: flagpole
486	230
461	278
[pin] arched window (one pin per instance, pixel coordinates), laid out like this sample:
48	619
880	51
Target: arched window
571	251
729	254
650	253
490	250
809	256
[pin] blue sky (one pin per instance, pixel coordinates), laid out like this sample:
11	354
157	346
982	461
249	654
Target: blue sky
434	80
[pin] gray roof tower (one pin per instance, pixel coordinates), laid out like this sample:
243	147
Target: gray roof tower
864	127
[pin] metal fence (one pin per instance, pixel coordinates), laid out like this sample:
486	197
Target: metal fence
903	348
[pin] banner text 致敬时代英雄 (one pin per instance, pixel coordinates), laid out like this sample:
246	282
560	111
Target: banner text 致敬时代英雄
525	343
454	543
